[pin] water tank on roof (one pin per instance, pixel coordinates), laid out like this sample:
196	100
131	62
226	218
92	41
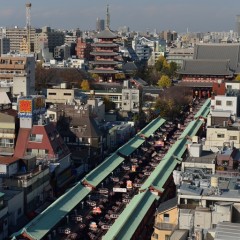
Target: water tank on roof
214	182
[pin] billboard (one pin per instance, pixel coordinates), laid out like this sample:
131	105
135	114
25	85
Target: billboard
31	106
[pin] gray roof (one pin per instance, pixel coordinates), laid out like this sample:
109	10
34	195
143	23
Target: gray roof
169	204
104	53
129	67
227	231
99	44
104	62
195	84
219	51
206	67
106	34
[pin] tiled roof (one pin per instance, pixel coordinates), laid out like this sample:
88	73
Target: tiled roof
22	140
206	67
106	34
169	204
8	160
229	52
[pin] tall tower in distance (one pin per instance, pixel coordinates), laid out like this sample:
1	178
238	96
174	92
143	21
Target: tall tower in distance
100	25
108	18
238	24
28	26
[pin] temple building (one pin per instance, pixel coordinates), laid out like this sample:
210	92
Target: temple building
211	63
106	54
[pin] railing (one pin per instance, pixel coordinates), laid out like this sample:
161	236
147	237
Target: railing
165	226
48	157
7	130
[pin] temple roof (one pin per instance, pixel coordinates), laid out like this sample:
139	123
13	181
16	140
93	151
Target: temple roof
104	62
106	34
228	51
206	67
100	44
104	71
104	53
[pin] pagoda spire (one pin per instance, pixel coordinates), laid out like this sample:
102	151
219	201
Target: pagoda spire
107	18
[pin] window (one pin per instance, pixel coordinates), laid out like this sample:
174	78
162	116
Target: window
67	94
229	103
220	135
52	93
167	237
218	102
233	138
166	217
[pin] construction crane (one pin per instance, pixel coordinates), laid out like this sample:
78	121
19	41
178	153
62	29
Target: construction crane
28	26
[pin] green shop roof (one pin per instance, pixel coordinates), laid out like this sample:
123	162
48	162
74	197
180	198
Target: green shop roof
98	174
204	110
45	221
129	220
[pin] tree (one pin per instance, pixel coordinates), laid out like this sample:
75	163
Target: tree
95	76
164	81
120	76
237	77
109	105
85	85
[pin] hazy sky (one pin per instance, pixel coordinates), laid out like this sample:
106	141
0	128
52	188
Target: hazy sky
139	15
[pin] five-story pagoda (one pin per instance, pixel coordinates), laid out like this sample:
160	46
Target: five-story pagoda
106	55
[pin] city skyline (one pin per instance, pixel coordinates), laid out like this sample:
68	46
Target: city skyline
139	15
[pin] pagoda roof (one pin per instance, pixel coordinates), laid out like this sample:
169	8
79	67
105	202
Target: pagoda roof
101	44
107	33
104	62
103	71
104	53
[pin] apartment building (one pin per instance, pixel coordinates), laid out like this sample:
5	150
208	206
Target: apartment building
16	35
17	74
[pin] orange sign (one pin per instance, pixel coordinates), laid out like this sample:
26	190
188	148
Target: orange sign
25	106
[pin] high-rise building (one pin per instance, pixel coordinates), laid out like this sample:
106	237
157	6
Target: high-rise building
238	24
48	38
100	25
4	45
16	36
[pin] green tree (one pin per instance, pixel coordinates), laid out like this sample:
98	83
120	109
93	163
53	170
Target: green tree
164	81
120	76
172	69
109	105
85	85
237	77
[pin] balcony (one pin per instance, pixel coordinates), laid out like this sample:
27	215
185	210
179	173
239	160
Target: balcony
44	157
165	226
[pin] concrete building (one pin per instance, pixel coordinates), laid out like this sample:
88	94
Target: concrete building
16	36
62	52
238	24
166	220
48	38
178	55
100	25
17	74
9	125
130	100
83	48
4	45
